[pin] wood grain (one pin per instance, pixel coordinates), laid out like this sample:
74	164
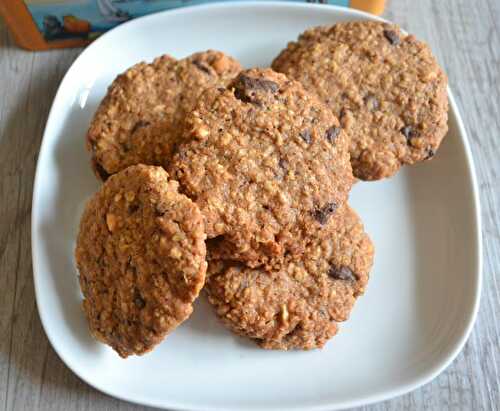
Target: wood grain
465	36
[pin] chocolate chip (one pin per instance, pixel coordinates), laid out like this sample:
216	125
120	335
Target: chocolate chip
283	164
140	124
322	214
138	300
332	133
160	209
392	36
409	132
341	273
202	66
240	94
101	172
371	102
343	112
245	88
215	242
132	208
430	153
126	146
306	136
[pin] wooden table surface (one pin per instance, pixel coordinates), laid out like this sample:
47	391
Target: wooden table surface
465	36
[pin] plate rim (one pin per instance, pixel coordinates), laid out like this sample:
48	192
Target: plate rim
433	372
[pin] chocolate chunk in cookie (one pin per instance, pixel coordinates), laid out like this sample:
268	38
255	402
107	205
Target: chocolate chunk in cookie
392	36
322	214
247	89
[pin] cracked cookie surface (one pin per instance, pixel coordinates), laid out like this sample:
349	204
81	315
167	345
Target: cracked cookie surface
140	254
296	305
138	120
267	164
385	87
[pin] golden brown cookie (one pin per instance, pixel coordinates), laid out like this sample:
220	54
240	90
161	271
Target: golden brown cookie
138	120
141	257
386	88
266	162
296	305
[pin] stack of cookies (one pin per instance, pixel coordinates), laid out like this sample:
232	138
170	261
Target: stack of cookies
236	181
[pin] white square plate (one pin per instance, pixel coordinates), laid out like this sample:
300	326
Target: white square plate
424	291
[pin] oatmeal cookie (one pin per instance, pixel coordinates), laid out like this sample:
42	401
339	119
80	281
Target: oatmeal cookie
138	120
386	88
266	162
298	304
141	257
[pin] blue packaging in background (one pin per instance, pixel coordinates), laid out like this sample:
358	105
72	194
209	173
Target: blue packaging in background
93	17
43	24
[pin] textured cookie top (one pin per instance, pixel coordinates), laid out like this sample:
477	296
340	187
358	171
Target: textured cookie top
266	162
141	257
138	120
386	88
297	304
